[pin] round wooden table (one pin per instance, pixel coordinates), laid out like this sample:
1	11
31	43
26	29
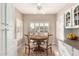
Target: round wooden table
38	39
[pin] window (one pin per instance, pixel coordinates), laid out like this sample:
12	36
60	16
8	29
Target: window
19	29
39	27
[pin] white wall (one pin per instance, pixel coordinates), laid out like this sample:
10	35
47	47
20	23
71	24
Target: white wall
60	32
19	25
19	31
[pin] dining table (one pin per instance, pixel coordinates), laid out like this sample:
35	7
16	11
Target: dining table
38	39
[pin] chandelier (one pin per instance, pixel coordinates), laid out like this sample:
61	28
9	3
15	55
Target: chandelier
39	6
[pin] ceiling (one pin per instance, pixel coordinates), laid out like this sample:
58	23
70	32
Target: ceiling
46	8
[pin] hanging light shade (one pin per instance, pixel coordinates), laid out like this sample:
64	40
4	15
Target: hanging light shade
39	7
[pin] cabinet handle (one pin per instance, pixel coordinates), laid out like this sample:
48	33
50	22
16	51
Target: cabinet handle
3	23
6	24
3	29
7	29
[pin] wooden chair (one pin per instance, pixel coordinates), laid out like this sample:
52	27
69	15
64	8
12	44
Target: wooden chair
27	44
48	45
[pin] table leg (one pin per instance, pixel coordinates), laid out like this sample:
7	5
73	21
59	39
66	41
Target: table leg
25	50
47	48
29	51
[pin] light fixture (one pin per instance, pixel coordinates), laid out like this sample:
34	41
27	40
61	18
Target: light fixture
39	7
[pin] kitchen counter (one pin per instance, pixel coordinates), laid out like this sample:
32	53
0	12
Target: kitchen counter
73	43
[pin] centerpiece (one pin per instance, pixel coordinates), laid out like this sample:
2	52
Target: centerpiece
72	36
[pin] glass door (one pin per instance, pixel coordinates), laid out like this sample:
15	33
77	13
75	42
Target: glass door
76	15
68	18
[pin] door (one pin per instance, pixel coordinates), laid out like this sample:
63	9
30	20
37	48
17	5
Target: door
8	42
75	11
68	22
10	25
2	30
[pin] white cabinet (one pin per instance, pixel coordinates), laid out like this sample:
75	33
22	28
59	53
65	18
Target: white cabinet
76	52
10	22
72	17
68	19
68	49
60	47
2	30
75	15
65	50
7	30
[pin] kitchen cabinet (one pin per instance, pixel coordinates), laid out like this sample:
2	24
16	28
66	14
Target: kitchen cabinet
68	49
75	16
71	23
7	30
72	17
2	30
76	52
10	25
68	20
61	47
64	48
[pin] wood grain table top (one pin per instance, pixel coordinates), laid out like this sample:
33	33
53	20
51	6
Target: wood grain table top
38	37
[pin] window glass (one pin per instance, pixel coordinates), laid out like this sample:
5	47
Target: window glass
39	27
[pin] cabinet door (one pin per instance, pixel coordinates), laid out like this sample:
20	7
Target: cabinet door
7	30
10	22
61	47
68	49
75	14
68	22
76	52
2	30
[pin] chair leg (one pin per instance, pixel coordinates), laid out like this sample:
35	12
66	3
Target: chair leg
25	49
51	50
47	52
47	48
29	51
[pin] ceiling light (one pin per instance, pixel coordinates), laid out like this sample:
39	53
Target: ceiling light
38	6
